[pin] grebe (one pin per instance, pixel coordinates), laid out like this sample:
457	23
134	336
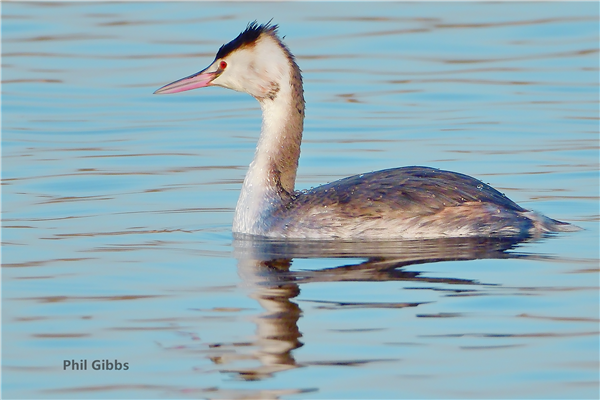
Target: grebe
408	203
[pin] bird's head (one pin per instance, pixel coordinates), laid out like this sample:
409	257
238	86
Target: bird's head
255	62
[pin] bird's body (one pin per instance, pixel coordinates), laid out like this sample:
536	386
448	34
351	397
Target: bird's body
409	202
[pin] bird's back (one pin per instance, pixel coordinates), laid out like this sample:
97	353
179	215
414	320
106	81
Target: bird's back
409	202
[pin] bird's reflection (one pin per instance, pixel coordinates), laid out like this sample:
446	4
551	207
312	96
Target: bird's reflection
264	266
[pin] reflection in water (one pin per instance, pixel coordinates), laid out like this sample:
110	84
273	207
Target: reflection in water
277	328
264	266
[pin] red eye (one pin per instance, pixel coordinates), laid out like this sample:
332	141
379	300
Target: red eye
222	65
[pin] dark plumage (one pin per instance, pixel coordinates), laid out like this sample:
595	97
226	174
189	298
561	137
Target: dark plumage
415	190
246	38
417	201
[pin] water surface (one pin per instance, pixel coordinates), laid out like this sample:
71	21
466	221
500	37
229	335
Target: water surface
117	205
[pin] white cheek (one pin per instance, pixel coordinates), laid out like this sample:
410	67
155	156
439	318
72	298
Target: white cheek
229	79
251	82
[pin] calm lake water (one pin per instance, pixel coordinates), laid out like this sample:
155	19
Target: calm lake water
117	204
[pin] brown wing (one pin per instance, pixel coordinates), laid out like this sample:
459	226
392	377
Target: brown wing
412	190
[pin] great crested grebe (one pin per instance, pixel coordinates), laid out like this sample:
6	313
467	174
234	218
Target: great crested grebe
409	202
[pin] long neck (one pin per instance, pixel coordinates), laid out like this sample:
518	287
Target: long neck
272	174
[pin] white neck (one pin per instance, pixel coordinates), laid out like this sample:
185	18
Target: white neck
272	174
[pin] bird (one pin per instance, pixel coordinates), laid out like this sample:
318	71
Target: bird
412	202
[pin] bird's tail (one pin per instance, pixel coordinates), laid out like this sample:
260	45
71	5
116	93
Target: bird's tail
543	224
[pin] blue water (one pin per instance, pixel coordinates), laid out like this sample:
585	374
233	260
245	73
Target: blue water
117	204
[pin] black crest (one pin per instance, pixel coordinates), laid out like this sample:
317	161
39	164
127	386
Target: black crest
247	37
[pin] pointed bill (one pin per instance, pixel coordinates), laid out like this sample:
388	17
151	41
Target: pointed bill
195	81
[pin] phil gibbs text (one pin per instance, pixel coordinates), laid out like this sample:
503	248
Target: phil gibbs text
97	365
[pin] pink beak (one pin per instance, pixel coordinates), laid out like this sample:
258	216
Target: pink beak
198	80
